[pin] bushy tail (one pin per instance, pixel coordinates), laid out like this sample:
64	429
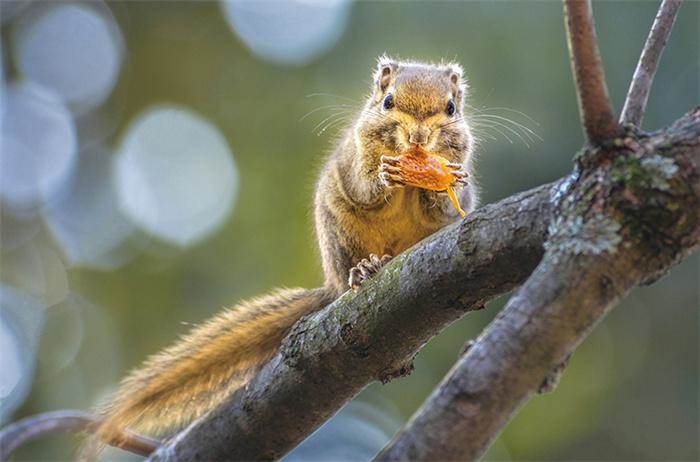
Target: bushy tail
192	376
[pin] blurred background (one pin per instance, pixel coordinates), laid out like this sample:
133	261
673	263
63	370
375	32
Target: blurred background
158	162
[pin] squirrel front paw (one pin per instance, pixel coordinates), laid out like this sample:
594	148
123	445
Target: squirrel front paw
458	171
365	269
390	173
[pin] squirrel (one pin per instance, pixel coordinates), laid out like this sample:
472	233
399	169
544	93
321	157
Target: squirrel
364	215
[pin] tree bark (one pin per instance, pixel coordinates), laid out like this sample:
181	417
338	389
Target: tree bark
627	213
634	207
373	334
597	115
638	94
631	213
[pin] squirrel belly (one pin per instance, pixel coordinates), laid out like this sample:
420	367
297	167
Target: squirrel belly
192	376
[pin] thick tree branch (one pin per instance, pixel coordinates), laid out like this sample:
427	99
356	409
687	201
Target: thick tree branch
66	421
332	355
373	334
355	340
633	211
638	94
597	115
581	276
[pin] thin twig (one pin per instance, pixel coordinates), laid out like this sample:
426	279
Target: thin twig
638	94
597	115
66	421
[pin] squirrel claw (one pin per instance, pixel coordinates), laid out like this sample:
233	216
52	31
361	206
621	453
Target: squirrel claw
390	172
391	180
457	170
390	169
365	269
391	160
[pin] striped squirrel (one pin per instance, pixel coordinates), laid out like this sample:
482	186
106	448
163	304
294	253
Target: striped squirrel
363	216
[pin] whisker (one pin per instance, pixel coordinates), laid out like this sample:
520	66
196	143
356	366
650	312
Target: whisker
375	112
479	133
324	121
334	124
514	132
330	106
452	122
500	133
373	116
332	116
502	108
331	95
517	124
380	115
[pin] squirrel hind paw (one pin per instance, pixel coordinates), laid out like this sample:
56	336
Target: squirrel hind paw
365	269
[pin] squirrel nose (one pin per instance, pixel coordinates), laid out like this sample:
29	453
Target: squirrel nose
419	136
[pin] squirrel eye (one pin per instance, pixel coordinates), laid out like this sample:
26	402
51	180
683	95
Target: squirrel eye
389	101
450	109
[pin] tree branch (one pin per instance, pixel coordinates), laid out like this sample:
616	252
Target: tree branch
638	94
603	243
66	421
355	340
597	115
332	355
373	334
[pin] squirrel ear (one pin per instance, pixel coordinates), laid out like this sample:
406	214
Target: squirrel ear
386	69
459	86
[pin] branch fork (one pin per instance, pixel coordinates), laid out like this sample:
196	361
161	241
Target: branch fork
601	245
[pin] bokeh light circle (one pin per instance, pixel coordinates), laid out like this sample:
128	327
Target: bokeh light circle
38	145
36	269
175	175
11	361
293	32
62	338
86	221
72	49
354	433
21	322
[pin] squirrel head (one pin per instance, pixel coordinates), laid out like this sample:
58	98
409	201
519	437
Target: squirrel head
416	105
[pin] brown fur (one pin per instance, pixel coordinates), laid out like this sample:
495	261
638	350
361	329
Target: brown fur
356	214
